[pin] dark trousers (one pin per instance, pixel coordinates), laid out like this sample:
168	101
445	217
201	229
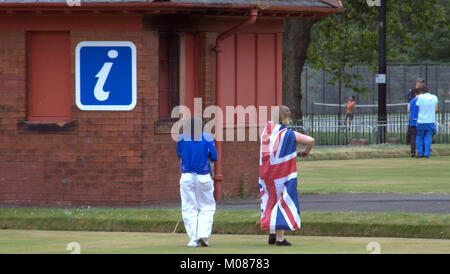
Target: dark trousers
408	136
413	134
348	118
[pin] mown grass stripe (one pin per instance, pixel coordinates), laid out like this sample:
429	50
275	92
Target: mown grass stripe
353	224
370	152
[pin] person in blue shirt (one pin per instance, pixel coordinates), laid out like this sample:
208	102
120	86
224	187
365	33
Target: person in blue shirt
411	94
426	122
413	114
196	148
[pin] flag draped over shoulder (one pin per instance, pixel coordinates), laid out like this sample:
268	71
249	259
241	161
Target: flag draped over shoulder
278	179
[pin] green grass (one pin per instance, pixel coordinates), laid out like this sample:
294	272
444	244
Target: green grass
346	138
394	175
387	175
24	241
370	152
228	222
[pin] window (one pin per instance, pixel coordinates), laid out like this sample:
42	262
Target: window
169	70
49	76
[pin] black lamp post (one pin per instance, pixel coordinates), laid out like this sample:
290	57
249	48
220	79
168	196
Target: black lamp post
382	112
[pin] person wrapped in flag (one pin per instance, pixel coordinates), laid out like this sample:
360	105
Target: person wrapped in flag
278	176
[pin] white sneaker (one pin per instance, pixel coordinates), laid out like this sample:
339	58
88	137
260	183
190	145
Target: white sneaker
203	242
192	243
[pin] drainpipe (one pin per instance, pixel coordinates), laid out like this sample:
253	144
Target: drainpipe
218	178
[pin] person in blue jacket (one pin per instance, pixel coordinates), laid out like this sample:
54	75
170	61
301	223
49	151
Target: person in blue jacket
196	148
413	115
411	94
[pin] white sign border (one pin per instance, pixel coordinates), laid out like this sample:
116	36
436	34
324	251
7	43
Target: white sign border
133	76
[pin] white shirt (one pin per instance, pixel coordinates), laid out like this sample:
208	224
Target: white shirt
427	108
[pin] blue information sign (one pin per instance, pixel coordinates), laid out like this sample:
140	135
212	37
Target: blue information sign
106	75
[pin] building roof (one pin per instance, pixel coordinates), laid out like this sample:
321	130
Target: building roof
293	3
83	1
221	7
304	3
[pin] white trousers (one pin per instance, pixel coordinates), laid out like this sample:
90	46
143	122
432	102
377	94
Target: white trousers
197	204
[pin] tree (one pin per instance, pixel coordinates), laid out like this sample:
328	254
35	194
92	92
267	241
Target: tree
338	41
296	39
434	45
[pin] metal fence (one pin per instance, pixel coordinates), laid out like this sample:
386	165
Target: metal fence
400	78
329	129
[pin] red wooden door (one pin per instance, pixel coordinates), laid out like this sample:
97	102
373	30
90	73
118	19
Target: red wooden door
49	76
191	70
251	72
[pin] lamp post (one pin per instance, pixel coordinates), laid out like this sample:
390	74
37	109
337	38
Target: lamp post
381	77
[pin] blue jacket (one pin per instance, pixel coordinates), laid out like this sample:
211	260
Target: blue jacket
195	155
413	113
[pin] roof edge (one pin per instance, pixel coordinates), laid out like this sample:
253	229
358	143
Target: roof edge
164	5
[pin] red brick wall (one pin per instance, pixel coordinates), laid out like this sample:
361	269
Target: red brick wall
110	170
16	154
240	168
110	158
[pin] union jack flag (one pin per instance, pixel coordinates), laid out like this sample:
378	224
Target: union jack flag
278	179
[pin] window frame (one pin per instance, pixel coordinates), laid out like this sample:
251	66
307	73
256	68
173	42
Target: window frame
174	94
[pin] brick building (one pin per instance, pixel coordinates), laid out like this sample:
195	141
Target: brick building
53	153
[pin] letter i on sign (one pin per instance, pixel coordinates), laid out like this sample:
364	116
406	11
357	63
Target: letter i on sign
102	75
106	75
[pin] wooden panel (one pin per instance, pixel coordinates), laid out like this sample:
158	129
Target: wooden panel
279	72
245	70
191	70
229	73
252	67
164	80
267	70
164	102
169	97
49	76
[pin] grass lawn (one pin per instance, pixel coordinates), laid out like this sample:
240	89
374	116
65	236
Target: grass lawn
384	175
369	152
360	224
25	241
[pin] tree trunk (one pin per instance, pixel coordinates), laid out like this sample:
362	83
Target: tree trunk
296	38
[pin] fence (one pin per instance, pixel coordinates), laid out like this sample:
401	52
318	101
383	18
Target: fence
329	129
400	78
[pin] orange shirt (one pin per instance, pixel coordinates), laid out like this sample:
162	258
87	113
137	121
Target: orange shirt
350	107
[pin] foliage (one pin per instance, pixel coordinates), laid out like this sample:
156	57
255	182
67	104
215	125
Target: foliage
433	46
341	40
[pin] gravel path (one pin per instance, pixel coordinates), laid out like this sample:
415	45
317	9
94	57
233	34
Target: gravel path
411	203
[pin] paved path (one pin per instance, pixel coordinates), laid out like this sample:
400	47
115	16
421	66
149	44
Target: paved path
411	203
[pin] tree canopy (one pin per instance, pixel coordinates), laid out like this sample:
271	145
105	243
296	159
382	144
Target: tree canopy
417	31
